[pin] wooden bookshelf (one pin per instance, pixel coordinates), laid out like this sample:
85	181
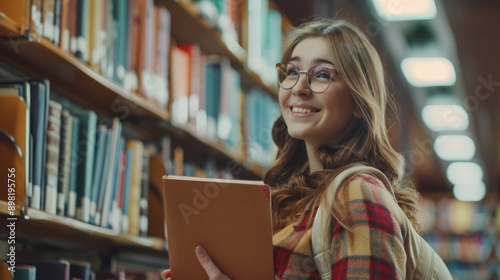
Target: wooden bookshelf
203	147
76	81
39	225
189	26
73	78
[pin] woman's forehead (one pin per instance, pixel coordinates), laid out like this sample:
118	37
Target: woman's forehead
312	51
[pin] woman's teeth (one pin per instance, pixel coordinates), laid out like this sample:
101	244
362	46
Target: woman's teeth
301	110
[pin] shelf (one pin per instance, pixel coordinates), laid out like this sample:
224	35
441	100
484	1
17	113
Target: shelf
72	78
203	147
39	224
188	26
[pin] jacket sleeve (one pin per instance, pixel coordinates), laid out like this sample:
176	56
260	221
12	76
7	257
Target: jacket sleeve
372	245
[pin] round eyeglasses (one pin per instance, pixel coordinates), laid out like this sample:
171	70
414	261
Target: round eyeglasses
318	77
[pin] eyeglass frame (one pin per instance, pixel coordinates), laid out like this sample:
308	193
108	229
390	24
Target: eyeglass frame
333	73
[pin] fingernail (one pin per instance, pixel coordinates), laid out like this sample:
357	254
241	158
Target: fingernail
200	251
169	278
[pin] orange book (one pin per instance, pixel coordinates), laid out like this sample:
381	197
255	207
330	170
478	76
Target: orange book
17	11
231	219
13	148
180	85
155	196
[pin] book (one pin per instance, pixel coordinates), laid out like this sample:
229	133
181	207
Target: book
134	193
65	145
143	208
79	270
36	93
48	19
40	97
155	196
17	11
5	272
50	269
112	154
98	165
231	219
86	150
52	159
25	272
71	209
14	142
126	190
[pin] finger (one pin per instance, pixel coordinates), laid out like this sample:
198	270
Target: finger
166	275
206	262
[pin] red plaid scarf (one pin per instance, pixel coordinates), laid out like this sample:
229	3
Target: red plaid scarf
374	250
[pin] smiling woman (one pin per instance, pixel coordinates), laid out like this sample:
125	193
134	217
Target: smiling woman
333	118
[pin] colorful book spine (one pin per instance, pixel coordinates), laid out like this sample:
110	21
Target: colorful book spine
52	162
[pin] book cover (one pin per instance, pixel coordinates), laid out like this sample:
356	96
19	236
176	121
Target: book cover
50	269
18	11
115	208
143	218
36	93
136	161
126	190
98	166
86	150
39	111
155	196
110	175
75	140
48	19
102	179
5	273
14	142
52	161
64	162
79	270
231	219
25	272
82	29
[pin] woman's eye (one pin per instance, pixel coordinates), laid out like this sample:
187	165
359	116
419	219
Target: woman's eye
292	72
322	74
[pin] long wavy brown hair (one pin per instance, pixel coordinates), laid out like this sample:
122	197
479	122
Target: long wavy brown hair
366	141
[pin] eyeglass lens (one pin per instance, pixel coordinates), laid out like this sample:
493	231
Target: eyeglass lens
318	77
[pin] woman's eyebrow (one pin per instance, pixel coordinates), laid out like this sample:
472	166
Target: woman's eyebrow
322	60
315	61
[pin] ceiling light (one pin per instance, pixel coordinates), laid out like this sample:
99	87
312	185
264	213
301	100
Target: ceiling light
445	117
470	192
464	173
426	72
399	10
454	147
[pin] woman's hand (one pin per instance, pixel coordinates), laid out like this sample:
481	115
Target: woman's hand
211	269
206	262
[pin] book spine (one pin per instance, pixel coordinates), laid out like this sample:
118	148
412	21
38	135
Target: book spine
143	224
71	210
64	162
52	163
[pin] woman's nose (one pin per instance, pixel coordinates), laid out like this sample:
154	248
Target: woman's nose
302	86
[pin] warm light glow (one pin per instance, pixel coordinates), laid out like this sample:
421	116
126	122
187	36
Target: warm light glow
464	173
426	72
454	147
470	192
445	117
398	10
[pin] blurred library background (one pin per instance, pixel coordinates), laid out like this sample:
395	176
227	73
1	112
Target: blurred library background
100	98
